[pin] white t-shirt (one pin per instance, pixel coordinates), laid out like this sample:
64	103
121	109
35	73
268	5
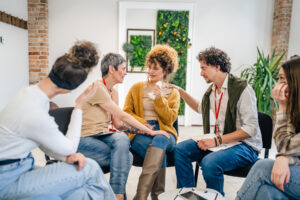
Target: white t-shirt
25	124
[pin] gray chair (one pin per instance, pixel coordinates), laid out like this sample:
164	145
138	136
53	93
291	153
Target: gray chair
266	128
62	118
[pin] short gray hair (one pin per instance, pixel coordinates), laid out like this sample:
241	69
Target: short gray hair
113	59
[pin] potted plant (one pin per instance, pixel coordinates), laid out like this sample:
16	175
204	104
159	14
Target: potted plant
262	77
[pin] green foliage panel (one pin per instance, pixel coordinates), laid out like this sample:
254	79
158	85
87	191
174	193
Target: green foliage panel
172	28
141	46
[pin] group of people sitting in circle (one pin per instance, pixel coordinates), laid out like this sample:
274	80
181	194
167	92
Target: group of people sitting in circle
100	133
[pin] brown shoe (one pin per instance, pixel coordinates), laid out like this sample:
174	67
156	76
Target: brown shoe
159	184
151	167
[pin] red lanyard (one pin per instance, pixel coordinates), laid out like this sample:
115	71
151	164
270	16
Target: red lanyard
217	109
104	83
111	116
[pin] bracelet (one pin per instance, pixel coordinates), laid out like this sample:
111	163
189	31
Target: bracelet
216	141
220	139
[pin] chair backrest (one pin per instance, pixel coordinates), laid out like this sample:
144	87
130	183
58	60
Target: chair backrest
62	117
175	125
266	128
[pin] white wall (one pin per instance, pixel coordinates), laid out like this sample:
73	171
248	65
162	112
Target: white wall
294	43
71	20
13	52
136	19
235	26
142	15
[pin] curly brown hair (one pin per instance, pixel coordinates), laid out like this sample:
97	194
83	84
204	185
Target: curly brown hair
165	56
73	67
213	56
83	54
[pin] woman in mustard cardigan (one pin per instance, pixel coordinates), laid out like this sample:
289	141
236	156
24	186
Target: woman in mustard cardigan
156	107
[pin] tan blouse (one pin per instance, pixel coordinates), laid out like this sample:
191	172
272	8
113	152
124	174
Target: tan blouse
148	103
94	118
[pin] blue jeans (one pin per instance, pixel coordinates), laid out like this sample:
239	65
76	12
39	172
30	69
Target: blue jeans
213	164
140	143
258	183
44	197
59	180
111	150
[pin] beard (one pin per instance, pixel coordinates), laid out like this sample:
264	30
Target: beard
207	80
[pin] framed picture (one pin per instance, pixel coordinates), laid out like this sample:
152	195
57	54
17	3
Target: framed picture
140	42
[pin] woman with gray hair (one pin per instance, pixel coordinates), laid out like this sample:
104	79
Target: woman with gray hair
102	136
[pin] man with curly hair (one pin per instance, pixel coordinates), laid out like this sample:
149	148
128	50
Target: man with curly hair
233	104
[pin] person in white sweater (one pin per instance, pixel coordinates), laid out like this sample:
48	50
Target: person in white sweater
25	124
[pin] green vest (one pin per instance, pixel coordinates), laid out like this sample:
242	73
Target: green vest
235	88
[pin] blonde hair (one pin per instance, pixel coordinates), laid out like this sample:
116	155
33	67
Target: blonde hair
165	56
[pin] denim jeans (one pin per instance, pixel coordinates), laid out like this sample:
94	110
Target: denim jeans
59	180
213	164
43	197
111	150
258	183
140	143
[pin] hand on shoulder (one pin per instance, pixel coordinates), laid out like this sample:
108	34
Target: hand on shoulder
86	95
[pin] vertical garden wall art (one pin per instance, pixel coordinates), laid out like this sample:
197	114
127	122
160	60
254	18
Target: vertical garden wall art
139	43
172	28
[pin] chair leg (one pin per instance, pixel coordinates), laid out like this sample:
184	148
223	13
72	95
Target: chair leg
196	172
266	153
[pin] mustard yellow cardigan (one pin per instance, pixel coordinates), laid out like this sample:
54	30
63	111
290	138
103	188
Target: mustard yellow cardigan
166	109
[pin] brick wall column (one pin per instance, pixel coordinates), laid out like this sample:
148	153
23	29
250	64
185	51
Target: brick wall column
281	26
38	40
